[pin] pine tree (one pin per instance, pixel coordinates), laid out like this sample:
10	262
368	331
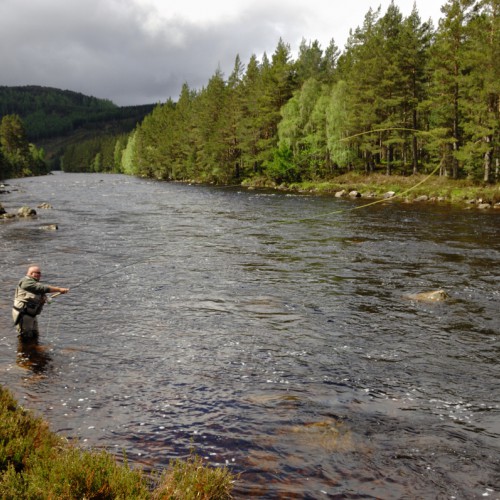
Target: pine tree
480	97
389	95
309	63
249	129
447	63
209	116
412	54
363	72
231	123
184	151
277	88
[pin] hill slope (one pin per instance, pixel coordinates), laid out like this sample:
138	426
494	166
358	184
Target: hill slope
55	118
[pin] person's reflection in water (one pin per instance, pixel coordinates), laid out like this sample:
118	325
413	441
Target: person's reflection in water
33	356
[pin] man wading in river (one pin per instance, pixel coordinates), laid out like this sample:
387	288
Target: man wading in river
28	302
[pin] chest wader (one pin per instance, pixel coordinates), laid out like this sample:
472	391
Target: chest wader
27	306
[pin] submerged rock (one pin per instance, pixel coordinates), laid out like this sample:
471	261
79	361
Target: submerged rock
50	227
432	296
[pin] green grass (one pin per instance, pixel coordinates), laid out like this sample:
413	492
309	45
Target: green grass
410	187
37	464
191	480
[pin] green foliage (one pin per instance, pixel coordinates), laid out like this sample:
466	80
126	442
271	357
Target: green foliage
37	464
337	131
60	119
282	167
401	98
190	479
17	156
49	112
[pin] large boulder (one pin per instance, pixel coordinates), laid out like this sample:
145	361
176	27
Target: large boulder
432	296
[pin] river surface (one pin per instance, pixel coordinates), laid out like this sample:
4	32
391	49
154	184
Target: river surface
269	332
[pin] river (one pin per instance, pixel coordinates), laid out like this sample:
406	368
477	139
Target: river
267	331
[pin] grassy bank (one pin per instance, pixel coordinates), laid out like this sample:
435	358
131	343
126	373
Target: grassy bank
37	464
409	188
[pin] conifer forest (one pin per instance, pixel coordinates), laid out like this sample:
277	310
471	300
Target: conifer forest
403	97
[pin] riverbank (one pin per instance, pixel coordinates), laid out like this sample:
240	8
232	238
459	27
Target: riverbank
36	463
409	189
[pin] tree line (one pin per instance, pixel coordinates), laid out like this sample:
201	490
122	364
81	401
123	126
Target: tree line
403	97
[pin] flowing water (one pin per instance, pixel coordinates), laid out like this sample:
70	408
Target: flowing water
269	332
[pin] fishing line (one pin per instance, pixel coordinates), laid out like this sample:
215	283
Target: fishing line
93	278
114	270
383	200
295	220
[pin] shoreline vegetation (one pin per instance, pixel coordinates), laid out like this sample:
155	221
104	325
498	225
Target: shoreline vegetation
414	188
37	463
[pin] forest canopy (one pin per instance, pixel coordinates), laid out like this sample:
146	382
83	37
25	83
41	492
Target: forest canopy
403	97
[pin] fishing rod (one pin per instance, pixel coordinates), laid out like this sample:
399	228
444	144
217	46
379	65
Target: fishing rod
102	275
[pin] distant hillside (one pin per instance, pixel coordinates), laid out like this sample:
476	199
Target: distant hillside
55	119
48	113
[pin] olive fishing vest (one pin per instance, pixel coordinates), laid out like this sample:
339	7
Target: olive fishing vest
27	302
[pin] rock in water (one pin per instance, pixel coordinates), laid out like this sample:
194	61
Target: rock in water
433	296
26	212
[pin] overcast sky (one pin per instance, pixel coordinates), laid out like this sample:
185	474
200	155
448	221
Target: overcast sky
142	51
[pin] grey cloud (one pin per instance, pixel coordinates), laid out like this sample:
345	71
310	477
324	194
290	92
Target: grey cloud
106	48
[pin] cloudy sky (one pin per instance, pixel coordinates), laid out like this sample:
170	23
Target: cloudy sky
142	51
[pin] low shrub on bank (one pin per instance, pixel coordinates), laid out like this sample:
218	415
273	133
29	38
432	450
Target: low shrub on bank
452	190
37	464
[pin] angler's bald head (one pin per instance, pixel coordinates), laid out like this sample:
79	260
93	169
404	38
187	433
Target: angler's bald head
34	272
